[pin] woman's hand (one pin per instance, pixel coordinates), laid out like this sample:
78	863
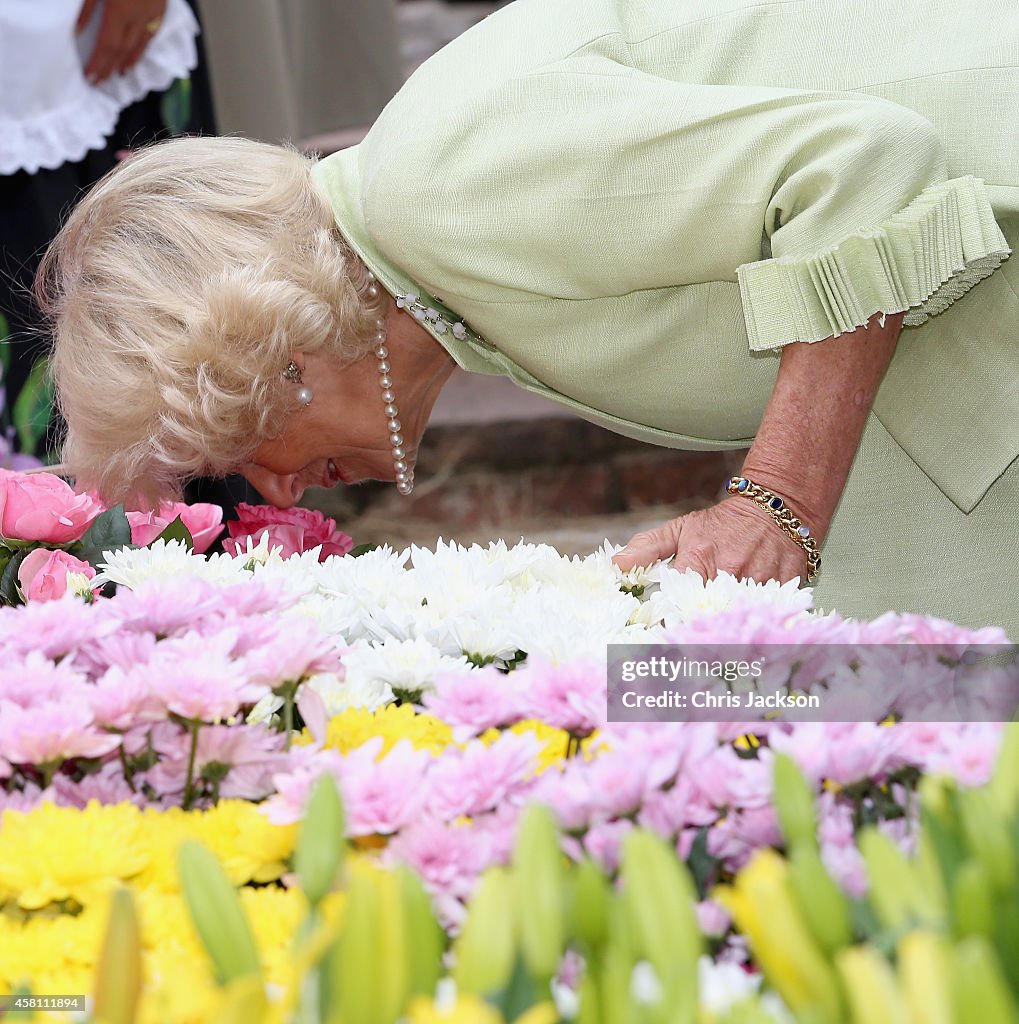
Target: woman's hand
126	29
734	535
803	452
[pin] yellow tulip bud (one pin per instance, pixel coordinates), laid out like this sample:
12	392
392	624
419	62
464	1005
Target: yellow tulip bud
763	906
874	995
924	962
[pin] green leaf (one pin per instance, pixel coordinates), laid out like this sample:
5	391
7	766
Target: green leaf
362	549
109	531
520	994
33	408
177	531
175	107
9	591
703	866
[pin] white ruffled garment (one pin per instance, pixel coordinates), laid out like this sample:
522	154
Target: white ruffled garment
49	113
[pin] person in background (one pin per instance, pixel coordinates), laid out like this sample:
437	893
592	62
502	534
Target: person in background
81	84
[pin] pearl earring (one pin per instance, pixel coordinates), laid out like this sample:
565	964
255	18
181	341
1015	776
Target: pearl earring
293	374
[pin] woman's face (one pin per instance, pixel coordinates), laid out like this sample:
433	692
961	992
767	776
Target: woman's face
342	436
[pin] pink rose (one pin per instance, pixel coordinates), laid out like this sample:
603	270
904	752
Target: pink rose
40	506
204	523
296	529
43	574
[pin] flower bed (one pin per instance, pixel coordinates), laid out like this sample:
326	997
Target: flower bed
445	691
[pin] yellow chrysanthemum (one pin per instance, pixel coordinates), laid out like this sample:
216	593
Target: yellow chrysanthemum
58	853
466	1010
50	952
554	742
174	955
248	845
179	989
350	729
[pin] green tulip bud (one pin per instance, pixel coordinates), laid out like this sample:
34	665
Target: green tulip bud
540	878
485	949
794	803
322	841
119	973
217	913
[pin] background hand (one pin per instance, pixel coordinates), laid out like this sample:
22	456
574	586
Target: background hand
126	29
734	535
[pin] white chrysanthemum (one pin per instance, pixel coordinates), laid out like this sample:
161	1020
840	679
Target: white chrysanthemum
132	567
369	579
399	620
80	585
722	986
293	577
406	665
254	552
561	630
455	569
264	709
640	576
683	596
520	561
335	693
337	617
486	634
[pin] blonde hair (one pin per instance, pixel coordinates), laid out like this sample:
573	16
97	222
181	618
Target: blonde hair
177	292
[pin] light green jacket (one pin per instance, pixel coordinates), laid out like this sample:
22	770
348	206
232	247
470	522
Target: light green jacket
636	203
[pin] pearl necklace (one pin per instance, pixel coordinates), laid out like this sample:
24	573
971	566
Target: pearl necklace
404	472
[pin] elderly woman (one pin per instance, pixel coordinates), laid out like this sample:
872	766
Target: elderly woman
702	224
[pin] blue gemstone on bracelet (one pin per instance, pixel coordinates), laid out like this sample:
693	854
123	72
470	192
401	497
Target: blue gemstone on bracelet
775	503
743	484
803	531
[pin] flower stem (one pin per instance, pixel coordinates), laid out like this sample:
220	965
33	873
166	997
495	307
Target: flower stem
189	794
288	718
48	769
128	774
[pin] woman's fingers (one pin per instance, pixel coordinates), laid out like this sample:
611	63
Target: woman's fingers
126	30
649	546
732	536
110	46
134	54
85	14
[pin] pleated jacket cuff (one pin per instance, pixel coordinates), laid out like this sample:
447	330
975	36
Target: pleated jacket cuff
920	260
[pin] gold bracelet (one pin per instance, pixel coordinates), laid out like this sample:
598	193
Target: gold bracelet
782	514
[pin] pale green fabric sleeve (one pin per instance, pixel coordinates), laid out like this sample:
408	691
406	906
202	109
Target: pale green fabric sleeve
918	260
592	178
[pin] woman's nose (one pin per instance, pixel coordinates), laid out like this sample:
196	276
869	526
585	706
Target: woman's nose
281	491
